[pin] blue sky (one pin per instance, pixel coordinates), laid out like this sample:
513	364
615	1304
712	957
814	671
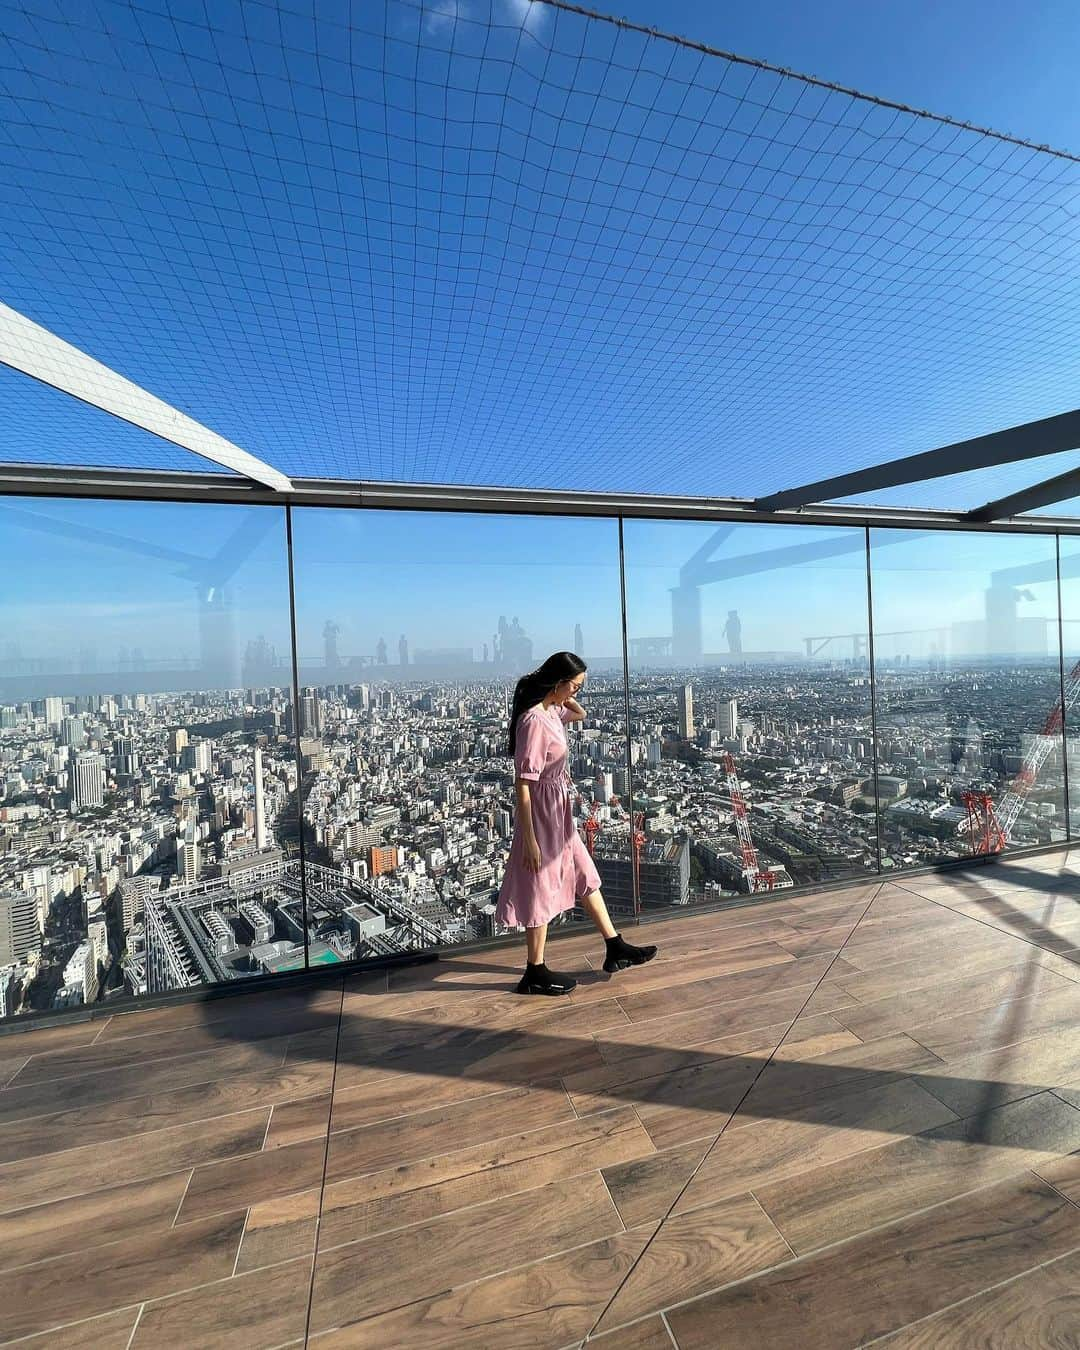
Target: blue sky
107	575
477	241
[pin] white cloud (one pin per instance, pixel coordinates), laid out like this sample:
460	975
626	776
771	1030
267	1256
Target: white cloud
441	15
531	14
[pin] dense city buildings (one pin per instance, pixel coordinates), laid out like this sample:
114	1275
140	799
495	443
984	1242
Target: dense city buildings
152	841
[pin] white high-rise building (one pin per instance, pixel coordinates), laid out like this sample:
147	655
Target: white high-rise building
54	711
20	933
260	801
187	857
88	780
686	712
727	718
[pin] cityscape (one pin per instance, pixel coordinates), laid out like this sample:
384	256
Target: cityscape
154	841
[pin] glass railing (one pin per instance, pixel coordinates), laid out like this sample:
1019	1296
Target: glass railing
237	741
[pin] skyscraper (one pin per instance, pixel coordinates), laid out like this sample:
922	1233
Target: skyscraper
72	732
19	931
88	780
177	740
260	803
310	713
187	856
54	711
686	712
727	718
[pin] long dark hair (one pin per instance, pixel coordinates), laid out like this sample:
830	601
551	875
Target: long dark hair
531	688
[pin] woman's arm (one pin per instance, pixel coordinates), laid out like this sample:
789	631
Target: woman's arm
523	797
575	709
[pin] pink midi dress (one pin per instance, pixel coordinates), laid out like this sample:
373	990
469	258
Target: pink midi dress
567	873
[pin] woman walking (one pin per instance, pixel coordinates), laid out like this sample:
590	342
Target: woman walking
549	866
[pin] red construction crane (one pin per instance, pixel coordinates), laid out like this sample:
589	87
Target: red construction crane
759	879
637	843
990	826
593	826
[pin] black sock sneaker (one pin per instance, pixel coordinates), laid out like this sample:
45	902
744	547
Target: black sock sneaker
539	980
621	954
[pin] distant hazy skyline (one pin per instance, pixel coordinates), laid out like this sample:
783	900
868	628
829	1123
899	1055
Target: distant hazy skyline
95	577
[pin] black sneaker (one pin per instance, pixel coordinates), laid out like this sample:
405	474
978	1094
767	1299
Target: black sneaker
540	980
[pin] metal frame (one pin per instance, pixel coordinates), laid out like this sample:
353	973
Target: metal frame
1048	436
47	480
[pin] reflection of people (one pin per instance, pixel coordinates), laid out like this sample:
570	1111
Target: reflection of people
380	652
403	650
549	866
733	631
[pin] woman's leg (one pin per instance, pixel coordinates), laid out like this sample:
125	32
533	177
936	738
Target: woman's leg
620	953
537	978
535	941
594	907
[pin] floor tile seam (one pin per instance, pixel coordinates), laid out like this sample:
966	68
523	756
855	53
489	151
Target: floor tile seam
970	1298
690	1012
793	1176
1006	931
945	1125
140	1303
183	1197
479	1279
141	1063
772	1223
812	983
404	1115
135	1326
94	1039
701	1162
95	1074
1069	1199
480	1171
667	1327
990	1049
145	1134
1066	983
450	1152
15	1072
325	1162
240	1241
966	1193
846	1241
153	1228
611	1198
586	1170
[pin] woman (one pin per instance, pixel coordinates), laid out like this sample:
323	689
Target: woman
549	867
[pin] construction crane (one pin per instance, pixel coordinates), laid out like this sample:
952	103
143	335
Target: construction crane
759	879
990	825
592	828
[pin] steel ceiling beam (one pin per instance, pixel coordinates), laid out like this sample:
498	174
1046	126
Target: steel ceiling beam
27	347
1046	437
1057	489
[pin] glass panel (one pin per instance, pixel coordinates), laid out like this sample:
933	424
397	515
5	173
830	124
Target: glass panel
1069	546
968	685
750	707
413	628
148	821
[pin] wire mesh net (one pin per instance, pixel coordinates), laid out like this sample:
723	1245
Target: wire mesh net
503	242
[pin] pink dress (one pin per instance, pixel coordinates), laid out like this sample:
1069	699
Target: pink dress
566	870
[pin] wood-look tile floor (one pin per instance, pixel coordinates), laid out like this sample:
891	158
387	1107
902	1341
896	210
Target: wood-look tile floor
815	1122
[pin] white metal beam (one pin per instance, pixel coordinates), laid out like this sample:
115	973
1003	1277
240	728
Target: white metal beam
27	347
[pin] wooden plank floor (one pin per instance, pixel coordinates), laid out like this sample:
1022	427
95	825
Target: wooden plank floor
815	1122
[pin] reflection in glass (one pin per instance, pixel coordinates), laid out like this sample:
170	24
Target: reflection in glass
1069	563
413	629
750	707
967	670
148	817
